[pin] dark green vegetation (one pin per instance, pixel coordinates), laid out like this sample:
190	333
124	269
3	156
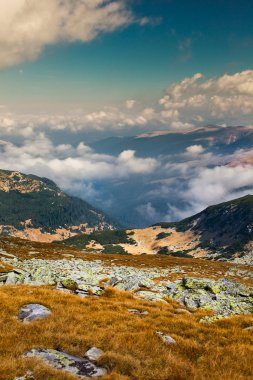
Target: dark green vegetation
41	201
166	251
106	238
114	249
226	227
162	235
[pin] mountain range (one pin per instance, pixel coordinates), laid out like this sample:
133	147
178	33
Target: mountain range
36	209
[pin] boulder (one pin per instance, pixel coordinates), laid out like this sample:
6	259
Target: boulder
166	338
94	354
80	367
138	312
31	312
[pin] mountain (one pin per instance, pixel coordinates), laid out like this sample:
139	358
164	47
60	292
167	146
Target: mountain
220	232
153	144
35	208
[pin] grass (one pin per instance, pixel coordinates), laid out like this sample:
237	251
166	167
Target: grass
223	350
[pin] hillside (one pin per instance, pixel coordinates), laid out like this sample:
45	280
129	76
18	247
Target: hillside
220	232
60	304
35	208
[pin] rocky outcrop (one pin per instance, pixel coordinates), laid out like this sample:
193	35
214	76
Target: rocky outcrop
86	278
80	367
224	297
31	312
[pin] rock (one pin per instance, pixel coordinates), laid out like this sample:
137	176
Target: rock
3	277
91	289
166	338
138	312
82	293
32	312
150	296
11	279
80	367
113	281
69	284
94	354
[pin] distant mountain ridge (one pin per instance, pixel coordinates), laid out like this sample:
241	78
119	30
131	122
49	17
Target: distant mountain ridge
37	209
220	232
157	143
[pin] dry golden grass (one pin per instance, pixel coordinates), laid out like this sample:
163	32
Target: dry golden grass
223	350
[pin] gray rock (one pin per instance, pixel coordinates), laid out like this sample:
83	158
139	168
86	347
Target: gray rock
80	367
138	312
94	354
12	278
166	338
32	312
150	296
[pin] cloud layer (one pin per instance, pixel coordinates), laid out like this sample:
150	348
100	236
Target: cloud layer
190	103
68	165
27	26
225	99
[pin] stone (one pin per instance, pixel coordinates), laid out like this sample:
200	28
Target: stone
94	354
11	279
31	312
138	312
69	284
3	277
166	338
80	367
150	296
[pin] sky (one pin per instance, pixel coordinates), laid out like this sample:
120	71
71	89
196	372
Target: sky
86	55
77	71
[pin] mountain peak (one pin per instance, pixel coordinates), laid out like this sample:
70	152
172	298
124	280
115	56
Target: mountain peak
35	208
23	183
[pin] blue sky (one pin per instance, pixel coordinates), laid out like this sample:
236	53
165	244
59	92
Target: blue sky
135	61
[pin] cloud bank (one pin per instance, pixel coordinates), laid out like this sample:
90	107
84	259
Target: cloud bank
70	166
27	26
190	103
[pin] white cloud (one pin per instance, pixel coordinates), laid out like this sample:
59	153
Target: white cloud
130	104
69	166
195	150
228	98
26	27
221	183
190	103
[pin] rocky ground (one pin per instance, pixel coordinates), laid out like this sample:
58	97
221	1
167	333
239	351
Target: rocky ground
204	293
84	278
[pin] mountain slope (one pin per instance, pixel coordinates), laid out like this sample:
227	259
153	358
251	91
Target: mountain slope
221	232
35	208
